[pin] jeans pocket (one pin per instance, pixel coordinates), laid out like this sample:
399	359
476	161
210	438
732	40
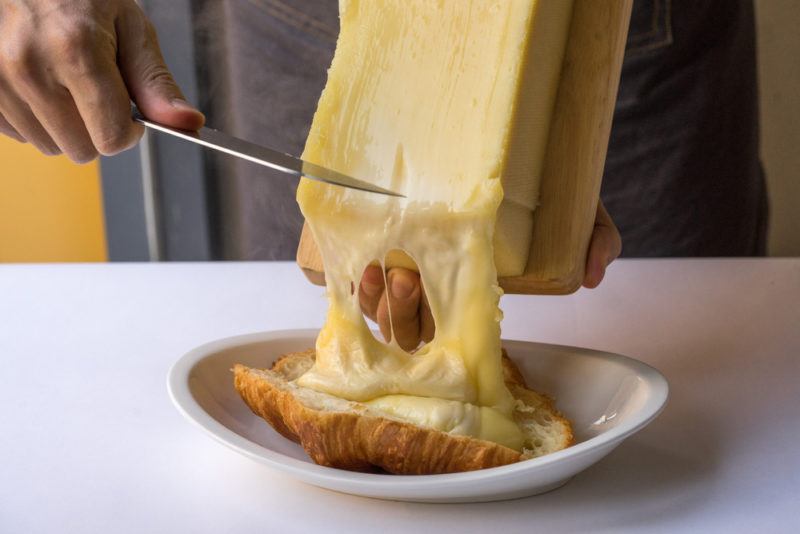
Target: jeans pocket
651	26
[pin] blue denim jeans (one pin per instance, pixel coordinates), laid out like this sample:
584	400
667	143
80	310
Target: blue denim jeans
682	177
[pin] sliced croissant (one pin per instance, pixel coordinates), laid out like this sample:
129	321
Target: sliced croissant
349	435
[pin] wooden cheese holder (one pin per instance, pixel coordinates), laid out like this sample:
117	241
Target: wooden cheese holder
573	168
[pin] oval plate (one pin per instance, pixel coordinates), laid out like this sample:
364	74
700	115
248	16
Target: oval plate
607	397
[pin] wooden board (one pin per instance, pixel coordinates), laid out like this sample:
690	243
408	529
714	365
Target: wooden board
573	168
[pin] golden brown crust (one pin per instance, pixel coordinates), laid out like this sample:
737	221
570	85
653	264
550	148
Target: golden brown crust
511	373
519	389
361	442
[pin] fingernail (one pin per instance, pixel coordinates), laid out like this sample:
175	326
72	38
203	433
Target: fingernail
372	290
402	287
180	103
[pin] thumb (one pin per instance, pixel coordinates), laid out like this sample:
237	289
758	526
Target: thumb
148	79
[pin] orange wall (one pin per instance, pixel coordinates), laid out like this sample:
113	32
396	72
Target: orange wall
50	209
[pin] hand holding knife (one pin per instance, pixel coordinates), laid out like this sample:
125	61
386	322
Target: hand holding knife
265	156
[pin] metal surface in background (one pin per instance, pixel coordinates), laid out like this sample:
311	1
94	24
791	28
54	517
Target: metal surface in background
123	207
152	220
156	197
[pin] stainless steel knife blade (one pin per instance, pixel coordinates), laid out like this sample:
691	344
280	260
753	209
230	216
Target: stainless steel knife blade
265	156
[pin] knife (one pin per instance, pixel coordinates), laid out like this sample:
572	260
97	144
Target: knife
262	155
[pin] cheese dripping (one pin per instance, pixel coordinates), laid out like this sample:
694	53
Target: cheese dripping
423	98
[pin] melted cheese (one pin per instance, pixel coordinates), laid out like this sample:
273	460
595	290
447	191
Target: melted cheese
426	98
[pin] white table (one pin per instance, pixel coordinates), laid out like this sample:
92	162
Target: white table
89	441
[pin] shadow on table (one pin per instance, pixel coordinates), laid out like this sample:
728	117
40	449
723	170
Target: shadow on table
647	479
659	475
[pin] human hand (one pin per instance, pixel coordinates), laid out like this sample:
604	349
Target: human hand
411	315
69	70
604	247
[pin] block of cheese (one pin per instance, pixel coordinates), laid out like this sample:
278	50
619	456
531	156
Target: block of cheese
448	102
450	92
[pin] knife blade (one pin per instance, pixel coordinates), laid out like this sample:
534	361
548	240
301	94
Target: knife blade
265	156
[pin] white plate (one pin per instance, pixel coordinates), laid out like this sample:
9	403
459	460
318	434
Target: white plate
607	397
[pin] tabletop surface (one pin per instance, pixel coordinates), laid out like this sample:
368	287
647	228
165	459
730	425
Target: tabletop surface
89	441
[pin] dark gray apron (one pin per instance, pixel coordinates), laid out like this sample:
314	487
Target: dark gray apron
683	176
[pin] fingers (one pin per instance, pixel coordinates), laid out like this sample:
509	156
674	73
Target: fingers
605	247
86	108
67	129
149	80
102	104
7	129
54	108
404	307
404	300
21	119
61	87
370	291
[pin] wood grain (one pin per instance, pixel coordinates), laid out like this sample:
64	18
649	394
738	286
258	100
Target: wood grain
573	168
